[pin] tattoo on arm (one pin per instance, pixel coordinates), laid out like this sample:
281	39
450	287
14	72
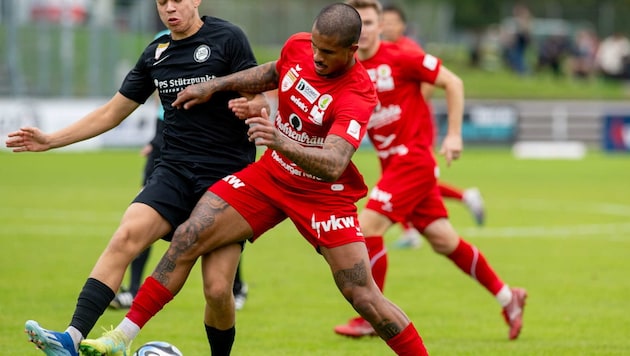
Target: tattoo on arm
253	80
327	163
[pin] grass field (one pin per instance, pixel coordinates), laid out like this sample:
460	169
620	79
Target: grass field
559	228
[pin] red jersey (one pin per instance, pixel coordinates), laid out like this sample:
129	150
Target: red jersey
311	107
408	44
402	124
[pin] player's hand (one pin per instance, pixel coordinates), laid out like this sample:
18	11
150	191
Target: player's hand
452	147
146	150
193	95
262	131
242	108
28	139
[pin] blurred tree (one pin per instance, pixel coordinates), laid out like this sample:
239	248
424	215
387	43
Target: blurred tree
477	14
606	15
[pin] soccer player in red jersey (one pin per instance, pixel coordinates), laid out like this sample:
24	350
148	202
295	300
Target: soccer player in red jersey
395	30
306	174
401	132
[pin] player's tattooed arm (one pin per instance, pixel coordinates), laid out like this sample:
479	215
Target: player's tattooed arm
327	163
253	80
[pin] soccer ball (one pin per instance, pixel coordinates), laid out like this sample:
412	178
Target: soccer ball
157	348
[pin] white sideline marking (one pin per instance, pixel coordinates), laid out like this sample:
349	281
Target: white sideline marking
581	207
76	216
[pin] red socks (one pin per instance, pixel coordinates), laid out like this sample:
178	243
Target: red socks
378	259
472	262
408	343
151	298
448	191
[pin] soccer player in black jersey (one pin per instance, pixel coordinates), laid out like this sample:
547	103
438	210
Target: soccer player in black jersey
201	145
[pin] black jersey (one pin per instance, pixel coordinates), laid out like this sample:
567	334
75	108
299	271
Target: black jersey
209	132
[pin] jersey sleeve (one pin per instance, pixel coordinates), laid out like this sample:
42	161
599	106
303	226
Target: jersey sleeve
353	111
421	66
138	85
242	56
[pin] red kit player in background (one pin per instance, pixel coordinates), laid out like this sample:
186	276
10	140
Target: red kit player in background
395	30
401	132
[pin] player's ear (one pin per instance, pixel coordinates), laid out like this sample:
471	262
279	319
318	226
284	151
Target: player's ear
354	47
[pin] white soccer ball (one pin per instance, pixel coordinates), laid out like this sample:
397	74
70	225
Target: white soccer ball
157	348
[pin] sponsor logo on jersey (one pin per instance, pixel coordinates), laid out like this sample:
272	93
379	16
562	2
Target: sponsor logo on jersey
311	94
290	78
354	129
398	150
161	47
178	84
429	62
382	196
234	181
296	122
303	138
381	141
317	112
324	101
382	77
334	223
316	116
292	168
299	103
202	53
385	115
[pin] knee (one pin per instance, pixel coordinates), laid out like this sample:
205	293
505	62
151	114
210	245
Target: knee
124	242
443	239
363	299
218	293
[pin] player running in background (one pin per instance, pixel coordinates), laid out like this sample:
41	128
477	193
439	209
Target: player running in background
401	132
395	30
305	174
201	146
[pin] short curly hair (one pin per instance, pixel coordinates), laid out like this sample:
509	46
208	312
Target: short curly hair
339	20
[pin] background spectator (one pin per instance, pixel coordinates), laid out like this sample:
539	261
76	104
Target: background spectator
612	57
582	60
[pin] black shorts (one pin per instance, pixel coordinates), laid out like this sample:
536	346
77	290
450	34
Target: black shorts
156	151
152	160
173	190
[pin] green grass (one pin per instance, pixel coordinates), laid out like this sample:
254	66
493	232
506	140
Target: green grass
558	228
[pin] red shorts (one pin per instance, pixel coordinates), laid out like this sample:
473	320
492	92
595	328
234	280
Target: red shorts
327	220
408	192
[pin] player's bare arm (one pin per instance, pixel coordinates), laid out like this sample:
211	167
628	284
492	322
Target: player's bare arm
245	106
452	145
253	80
104	118
327	163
